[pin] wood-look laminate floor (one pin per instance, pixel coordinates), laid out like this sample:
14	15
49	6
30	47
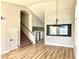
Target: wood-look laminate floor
40	51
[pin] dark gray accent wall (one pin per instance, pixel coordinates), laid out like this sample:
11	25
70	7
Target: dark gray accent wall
37	28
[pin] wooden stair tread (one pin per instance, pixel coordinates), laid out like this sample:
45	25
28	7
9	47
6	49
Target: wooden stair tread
24	40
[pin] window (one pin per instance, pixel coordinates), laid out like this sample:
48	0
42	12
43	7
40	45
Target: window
59	30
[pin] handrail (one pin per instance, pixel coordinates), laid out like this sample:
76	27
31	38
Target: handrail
27	29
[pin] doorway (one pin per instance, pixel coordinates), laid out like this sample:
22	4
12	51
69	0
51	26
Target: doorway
24	20
24	25
39	36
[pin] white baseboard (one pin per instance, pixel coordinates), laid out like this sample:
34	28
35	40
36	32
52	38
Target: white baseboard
71	46
13	48
75	51
4	52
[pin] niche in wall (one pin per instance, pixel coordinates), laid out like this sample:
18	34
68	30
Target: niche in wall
59	30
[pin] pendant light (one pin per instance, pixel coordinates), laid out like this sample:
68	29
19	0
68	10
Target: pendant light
56	11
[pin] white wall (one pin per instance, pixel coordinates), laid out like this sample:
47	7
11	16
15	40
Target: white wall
25	18
38	7
11	13
25	21
65	17
11	21
50	6
76	48
36	21
76	41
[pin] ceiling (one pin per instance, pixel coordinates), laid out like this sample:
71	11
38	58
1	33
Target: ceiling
25	2
39	6
30	2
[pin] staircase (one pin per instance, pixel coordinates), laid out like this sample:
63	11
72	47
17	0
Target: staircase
24	40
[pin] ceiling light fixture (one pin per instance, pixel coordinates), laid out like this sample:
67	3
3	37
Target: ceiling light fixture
56	11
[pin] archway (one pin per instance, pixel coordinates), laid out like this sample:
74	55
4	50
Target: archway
24	28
